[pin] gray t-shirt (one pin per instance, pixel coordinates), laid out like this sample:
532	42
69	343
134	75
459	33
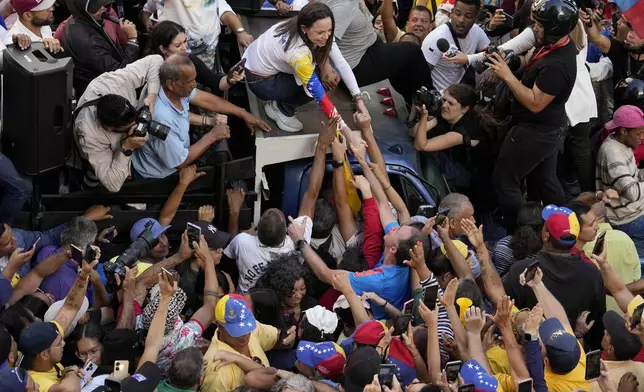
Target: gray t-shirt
354	33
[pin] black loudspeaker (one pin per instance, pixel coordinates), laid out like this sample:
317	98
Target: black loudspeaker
246	6
37	100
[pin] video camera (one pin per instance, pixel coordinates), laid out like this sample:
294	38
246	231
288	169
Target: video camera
145	124
432	99
142	245
513	61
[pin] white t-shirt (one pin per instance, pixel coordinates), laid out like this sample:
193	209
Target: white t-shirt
200	18
445	74
19	28
252	257
582	105
338	246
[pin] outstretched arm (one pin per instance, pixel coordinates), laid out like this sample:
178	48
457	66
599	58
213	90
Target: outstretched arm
327	134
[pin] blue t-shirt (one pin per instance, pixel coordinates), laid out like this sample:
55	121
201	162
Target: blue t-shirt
160	158
594	54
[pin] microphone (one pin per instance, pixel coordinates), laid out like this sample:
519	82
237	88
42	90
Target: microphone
443	45
110	17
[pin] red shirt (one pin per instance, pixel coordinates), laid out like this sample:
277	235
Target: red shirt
577	251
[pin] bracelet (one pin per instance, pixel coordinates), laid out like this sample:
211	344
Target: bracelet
385	305
211	293
387	188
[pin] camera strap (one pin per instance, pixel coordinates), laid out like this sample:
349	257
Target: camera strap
93	102
544	50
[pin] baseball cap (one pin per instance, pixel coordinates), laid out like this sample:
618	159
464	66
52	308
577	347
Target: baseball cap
215	238
31	5
5	346
13	380
94	5
460	246
635	302
562	223
327	357
473	373
139	226
369	332
626	344
362	366
34	339
562	349
53	310
627	116
233	314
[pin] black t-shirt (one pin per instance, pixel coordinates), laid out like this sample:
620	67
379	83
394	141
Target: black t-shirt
467	127
624	64
554	74
206	76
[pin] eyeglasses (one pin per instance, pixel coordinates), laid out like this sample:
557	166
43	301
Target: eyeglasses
94	351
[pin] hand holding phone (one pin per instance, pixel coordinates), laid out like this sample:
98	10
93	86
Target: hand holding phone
599	244
593	365
525	386
194	234
386	373
440	218
77	254
430	297
452	369
531	271
121	370
88	370
168	275
408	307
636	318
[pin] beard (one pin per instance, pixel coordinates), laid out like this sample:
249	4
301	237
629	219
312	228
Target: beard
43	22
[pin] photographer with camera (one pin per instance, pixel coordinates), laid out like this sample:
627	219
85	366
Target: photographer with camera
106	118
625	50
538	110
161	158
454	131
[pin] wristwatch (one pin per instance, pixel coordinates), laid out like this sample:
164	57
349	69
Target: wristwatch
599	195
530	337
300	244
125	152
337	164
240	30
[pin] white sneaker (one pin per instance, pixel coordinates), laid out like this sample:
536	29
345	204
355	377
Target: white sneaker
285	123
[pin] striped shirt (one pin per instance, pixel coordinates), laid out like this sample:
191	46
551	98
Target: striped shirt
617	169
444	326
503	256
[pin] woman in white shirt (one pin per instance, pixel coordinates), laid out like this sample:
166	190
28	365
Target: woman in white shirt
281	65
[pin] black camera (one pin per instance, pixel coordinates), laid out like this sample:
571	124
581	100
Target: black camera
513	61
142	245
145	124
432	99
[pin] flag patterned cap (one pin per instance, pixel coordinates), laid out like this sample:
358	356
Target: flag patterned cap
233	314
327	357
473	373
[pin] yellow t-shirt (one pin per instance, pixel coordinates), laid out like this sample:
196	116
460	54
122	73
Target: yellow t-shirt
498	359
572	381
46	379
229	377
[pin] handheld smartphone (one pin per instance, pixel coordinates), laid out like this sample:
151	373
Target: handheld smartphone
88	371
77	254
386	373
194	233
287	322
400	324
237	68
531	271
169	275
599	244
466	388
426	210
440	218
121	369
408	307
109	236
636	319
90	253
452	369
431	294
112	385
593	366
525	386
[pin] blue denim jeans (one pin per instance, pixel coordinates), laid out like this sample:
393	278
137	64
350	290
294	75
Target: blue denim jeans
635	230
280	87
16	190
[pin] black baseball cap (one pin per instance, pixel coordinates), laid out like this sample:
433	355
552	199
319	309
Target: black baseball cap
627	345
362	365
215	238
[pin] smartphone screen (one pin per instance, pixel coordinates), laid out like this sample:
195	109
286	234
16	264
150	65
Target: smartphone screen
599	244
636	319
109	236
239	66
386	374
287	322
431	294
408	307
593	365
531	271
452	369
440	218
466	388
77	254
525	386
112	385
400	324
194	233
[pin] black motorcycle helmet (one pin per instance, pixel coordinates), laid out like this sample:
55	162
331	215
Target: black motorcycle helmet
630	91
558	18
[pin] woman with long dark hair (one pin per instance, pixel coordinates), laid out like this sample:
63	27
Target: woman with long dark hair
281	66
167	38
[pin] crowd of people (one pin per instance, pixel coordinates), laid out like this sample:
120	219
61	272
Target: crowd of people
526	278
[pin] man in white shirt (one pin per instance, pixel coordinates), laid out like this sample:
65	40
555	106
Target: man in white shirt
471	39
34	18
